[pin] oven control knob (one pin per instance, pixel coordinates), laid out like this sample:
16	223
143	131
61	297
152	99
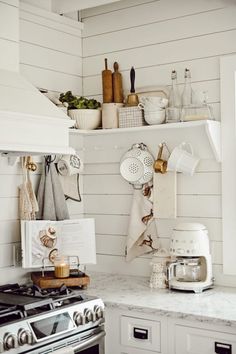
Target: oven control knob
99	312
10	341
24	337
88	315
79	318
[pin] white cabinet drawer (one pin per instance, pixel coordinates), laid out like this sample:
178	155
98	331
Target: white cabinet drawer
190	340
141	334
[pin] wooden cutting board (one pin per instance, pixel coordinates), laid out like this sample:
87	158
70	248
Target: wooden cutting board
164	195
49	281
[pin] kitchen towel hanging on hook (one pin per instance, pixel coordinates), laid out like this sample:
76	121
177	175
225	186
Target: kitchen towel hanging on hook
51	200
28	206
142	232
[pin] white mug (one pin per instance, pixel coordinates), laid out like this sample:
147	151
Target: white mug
152	102
155	117
69	165
181	160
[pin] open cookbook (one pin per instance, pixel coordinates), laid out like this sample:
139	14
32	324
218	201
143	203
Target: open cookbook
43	240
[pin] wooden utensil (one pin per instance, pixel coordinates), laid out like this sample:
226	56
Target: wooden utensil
117	84
107	84
132	99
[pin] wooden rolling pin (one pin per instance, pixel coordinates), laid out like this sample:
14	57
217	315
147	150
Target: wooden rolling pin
107	85
117	85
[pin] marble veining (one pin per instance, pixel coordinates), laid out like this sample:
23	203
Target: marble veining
214	306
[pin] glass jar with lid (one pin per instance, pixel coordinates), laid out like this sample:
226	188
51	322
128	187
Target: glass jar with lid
61	267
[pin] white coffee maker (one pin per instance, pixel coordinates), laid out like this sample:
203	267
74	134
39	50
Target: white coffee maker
190	268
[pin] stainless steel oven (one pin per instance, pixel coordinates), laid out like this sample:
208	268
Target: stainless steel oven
62	324
90	342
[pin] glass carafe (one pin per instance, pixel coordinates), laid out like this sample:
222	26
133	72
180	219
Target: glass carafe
188	270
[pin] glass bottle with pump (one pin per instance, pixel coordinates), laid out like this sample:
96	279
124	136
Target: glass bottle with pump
174	109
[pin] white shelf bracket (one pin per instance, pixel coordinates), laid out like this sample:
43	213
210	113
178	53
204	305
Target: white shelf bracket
213	132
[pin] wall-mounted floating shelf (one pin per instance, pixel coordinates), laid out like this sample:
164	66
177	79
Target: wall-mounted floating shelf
205	137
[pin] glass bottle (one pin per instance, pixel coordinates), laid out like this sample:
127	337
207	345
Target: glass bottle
187	95
174	109
174	97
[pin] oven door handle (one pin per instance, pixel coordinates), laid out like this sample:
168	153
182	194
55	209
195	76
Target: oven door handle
89	342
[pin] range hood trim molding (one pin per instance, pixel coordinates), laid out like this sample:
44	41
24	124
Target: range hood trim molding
33	118
17	134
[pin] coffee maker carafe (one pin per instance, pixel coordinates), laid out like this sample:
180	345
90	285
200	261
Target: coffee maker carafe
190	267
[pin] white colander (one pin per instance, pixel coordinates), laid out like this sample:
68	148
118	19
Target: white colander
136	165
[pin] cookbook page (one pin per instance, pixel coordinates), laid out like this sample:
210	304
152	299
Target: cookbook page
43	240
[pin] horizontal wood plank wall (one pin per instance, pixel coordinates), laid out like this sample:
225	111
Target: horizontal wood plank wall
9	35
154	37
50	50
50	57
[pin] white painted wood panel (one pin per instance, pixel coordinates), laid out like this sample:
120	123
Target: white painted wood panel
161	32
61	7
43	14
118	225
122	4
33	55
51	80
117	264
12	274
113	184
49	38
187	205
204	69
184	49
9	184
74	207
115	245
51	22
11	2
9	231
114	168
147	13
212	86
9	22
9	209
10	59
6	255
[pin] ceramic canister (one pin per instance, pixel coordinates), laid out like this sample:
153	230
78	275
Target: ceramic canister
110	117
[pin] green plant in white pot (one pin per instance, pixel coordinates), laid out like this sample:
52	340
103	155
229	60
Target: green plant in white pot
86	112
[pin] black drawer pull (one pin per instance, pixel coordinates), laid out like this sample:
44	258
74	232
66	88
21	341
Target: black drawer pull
140	333
222	348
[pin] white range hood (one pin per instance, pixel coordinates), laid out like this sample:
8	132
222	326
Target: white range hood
30	124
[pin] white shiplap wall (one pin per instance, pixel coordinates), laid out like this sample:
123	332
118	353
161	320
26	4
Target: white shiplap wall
51	58
155	37
9	176
50	50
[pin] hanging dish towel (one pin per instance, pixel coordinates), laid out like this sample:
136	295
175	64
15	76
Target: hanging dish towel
27	200
52	204
142	233
70	186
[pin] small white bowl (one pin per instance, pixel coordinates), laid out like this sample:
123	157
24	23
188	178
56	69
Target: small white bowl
155	117
86	119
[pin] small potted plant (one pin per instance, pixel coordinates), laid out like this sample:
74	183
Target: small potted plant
86	112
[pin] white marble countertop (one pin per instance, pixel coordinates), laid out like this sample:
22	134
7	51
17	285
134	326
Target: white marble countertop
214	306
